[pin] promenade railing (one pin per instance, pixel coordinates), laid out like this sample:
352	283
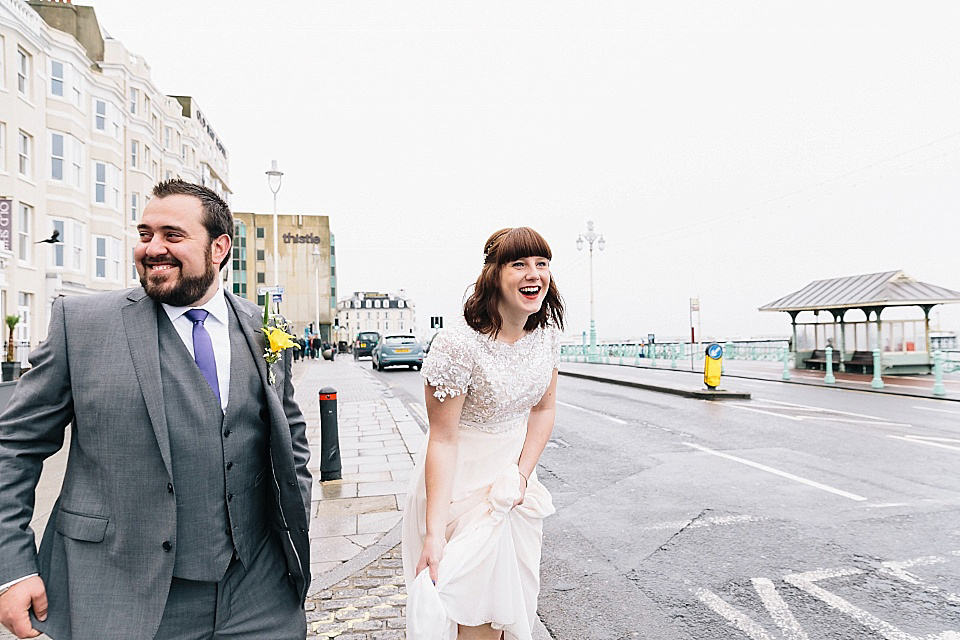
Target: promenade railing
673	354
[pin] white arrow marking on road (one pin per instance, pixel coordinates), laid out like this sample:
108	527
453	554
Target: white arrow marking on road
918	440
956	413
778	610
806	581
596	413
899	570
870	420
736	619
783	474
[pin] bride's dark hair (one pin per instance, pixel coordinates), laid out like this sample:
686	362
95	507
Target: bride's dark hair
504	246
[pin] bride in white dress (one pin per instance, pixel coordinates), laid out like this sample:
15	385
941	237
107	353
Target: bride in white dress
472	525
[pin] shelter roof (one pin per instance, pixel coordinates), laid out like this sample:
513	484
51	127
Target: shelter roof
886	289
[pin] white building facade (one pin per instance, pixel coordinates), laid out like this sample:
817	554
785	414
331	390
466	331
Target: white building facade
84	136
371	311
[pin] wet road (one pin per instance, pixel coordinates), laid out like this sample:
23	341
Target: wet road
802	513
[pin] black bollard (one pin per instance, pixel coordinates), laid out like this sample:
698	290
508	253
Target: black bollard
329	436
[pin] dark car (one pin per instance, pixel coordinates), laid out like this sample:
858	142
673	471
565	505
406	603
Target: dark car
364	344
399	349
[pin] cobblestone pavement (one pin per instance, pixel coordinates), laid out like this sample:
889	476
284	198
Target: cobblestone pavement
369	605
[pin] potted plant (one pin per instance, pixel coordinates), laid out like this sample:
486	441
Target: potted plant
11	369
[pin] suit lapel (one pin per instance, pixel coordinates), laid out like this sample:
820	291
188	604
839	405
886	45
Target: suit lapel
140	326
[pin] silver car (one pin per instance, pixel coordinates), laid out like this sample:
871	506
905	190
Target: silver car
397	349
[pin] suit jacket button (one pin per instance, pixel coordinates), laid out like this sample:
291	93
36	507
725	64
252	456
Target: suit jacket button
229	497
226	434
229	466
169	487
166	545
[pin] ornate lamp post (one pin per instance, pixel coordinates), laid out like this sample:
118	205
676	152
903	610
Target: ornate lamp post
590	236
274	175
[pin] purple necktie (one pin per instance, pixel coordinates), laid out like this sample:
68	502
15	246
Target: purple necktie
203	349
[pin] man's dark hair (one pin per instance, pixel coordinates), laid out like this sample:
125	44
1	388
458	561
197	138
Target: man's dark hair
217	218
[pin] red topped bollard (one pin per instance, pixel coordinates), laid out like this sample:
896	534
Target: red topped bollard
330	468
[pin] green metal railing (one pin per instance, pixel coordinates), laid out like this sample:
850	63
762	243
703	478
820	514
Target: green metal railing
672	354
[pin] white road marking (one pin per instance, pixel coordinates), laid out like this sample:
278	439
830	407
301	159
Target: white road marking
917	440
784	474
769	413
596	413
735	618
700	523
886	505
806	581
849	421
778	610
955	413
823	409
899	570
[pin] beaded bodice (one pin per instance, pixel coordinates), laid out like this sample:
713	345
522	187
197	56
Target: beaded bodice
502	381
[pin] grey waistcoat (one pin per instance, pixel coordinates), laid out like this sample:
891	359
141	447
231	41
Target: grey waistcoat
221	463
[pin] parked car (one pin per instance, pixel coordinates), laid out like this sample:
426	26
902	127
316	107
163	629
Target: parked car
398	349
364	344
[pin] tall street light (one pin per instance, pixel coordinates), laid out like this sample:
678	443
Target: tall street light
316	263
274	175
590	236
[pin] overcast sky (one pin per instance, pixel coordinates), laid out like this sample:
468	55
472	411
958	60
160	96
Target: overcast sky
733	151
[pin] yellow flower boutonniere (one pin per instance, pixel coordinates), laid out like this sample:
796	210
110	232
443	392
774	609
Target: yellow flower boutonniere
275	330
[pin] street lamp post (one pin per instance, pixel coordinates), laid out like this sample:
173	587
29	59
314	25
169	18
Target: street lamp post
274	175
316	262
590	236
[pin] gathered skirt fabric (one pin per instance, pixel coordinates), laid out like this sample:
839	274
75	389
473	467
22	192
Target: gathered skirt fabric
490	569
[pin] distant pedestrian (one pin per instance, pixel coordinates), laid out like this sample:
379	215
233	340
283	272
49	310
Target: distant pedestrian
315	345
473	520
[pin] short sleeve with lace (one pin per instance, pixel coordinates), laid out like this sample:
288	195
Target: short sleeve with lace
501	381
449	365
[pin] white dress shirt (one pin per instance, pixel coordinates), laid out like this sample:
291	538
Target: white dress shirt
217	325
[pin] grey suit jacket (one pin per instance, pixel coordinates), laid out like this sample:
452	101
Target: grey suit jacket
102	557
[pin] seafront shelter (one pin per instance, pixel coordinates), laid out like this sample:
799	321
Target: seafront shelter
889	311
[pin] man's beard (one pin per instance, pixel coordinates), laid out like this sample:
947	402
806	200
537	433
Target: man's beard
187	289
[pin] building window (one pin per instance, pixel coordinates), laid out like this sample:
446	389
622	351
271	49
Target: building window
261	254
134	153
66	158
400	304
183	152
134	100
368	304
107	259
261	278
261	232
155	124
56	78
100	183
77	242
167	137
134	206
23	72
24	303
56	156
100	118
56	256
3	132
24	231
3	67
261	299
25	151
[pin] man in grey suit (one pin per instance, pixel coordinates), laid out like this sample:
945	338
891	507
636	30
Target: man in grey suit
184	508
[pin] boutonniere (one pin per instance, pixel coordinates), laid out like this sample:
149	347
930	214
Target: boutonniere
275	330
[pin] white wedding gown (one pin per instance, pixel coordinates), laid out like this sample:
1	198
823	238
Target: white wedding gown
490	570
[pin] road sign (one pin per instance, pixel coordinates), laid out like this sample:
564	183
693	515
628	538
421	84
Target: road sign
278	297
265	290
